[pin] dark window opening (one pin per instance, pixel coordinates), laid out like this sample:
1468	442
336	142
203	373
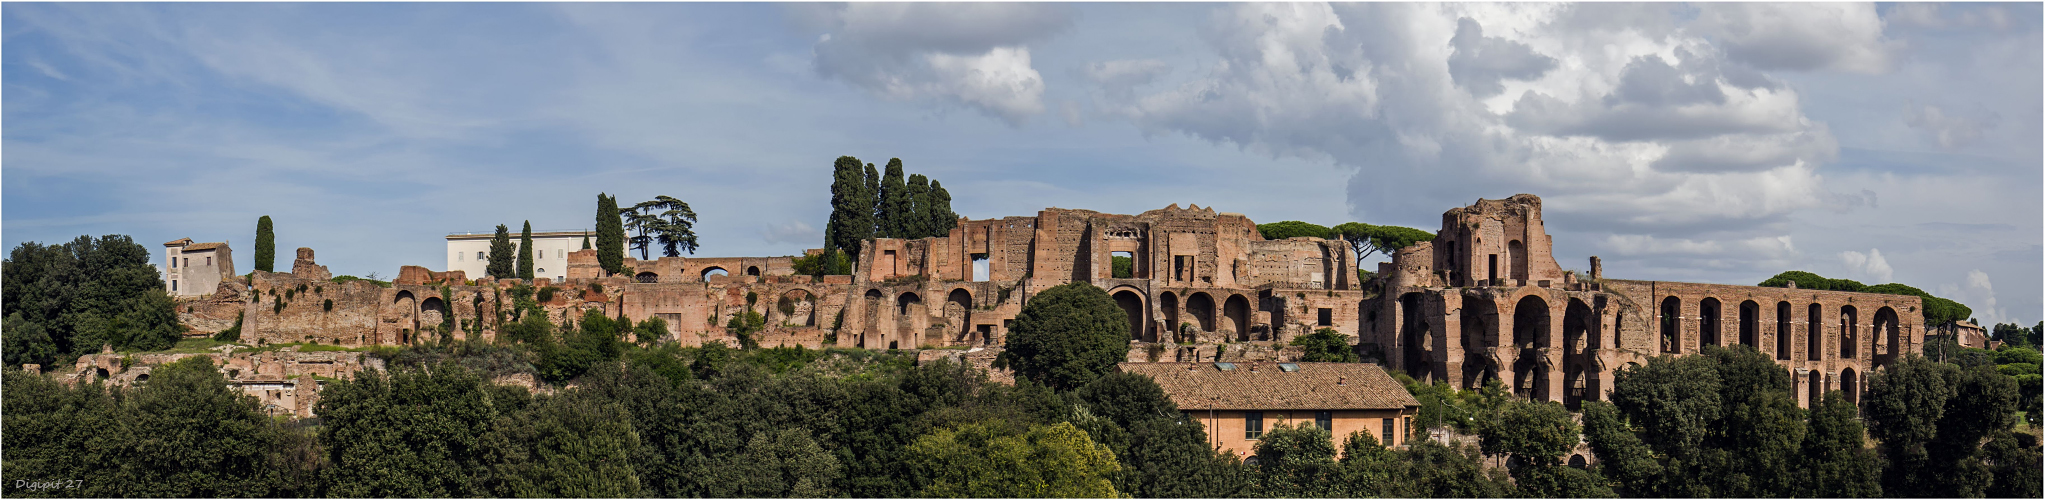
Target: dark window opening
1493	279
1388	431
173	285
1325	419
1253	424
1327	317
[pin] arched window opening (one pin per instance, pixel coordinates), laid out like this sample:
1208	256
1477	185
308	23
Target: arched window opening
1672	340
1202	308
646	277
1782	313
752	270
1849	386
1814	334
714	271
1707	321
1530	323
1888	328
1237	311
958	309
1750	324
906	299
1132	307
1169	303
1413	332
1849	333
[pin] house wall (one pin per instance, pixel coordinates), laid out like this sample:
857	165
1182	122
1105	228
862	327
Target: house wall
1225	428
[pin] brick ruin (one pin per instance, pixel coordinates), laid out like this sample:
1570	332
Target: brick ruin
1484	299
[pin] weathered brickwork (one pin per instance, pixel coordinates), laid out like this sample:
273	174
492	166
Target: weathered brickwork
1486	300
284	381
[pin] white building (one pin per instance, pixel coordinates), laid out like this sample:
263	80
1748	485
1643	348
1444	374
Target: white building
196	269
470	252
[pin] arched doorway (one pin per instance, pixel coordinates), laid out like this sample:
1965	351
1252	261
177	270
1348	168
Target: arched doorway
909	317
714	271
1707	321
1814	334
1202	308
1413	329
1750	324
797	308
432	316
1530	323
646	277
1672	336
958	310
407	307
1888	328
752	270
1849	386
1237	310
1480	340
876	305
1132	307
1849	332
1576	338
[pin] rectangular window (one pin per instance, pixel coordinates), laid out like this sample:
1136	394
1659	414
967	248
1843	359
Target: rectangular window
173	262
479	256
1327	317
1388	432
188	262
173	285
1409	425
1325	419
1253	424
461	257
209	260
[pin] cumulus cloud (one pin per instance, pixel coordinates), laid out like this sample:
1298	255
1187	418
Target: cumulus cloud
969	55
1119	78
1800	36
1480	62
1650	131
1948	131
1978	294
1870	266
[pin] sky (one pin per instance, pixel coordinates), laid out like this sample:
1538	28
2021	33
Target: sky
1717	143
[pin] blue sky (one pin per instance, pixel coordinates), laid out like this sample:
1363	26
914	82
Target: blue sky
1715	142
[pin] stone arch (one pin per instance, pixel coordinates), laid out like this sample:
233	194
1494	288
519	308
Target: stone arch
1849	385
1530	326
1709	312
646	277
1750	324
1576	327
958	309
876	303
1518	253
1849	332
1578	461
910	315
906	299
1530	375
1202	308
714	271
1782	314
432	313
1889	328
143	378
1816	385
1237	311
797	307
1169	302
1672	332
1479	318
1413	330
407	306
1132	307
1814	333
752	270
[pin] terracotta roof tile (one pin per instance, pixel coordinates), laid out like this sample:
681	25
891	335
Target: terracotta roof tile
203	246
1316	386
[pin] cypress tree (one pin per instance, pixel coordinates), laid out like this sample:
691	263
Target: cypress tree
916	224
610	235
266	246
525	252
851	207
942	219
500	254
873	195
894	202
585	241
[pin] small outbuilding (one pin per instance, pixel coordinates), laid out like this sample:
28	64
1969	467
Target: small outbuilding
1238	402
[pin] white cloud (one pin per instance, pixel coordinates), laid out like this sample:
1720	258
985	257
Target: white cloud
1800	36
969	55
1948	131
1869	267
792	232
1978	294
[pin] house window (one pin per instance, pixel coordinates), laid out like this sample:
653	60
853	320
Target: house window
1388	432
209	260
479	256
542	270
1409	425
173	285
1327	317
461	257
1325	419
188	262
1253	424
173	262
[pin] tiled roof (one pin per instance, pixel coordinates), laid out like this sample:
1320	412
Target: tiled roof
1264	386
178	242
203	246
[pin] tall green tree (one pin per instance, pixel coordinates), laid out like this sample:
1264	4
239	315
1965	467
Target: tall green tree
610	235
1067	336
525	252
266	245
502	255
852	207
917	223
1297	461
1368	239
1931	419
64	300
1538	435
942	218
665	221
412	432
1834	453
585	241
991	460
894	211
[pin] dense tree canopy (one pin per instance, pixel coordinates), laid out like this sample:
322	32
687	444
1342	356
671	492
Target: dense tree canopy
1931	419
1937	311
1368	239
1326	345
663	221
1292	228
64	300
1067	336
852	208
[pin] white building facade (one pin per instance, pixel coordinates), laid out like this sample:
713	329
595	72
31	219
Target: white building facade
470	252
196	269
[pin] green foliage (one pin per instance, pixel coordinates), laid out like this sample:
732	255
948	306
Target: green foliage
744	325
831	262
266	245
70	299
410	433
937	206
610	235
525	252
1367	239
545	294
1812	281
1931	419
596	340
994	460
233	333
347	278
916	220
664	221
1122	267
650	331
570	445
1539	435
501	255
852	210
1326	345
1292	228
1937	311
1297	461
1068	336
185	433
892	216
